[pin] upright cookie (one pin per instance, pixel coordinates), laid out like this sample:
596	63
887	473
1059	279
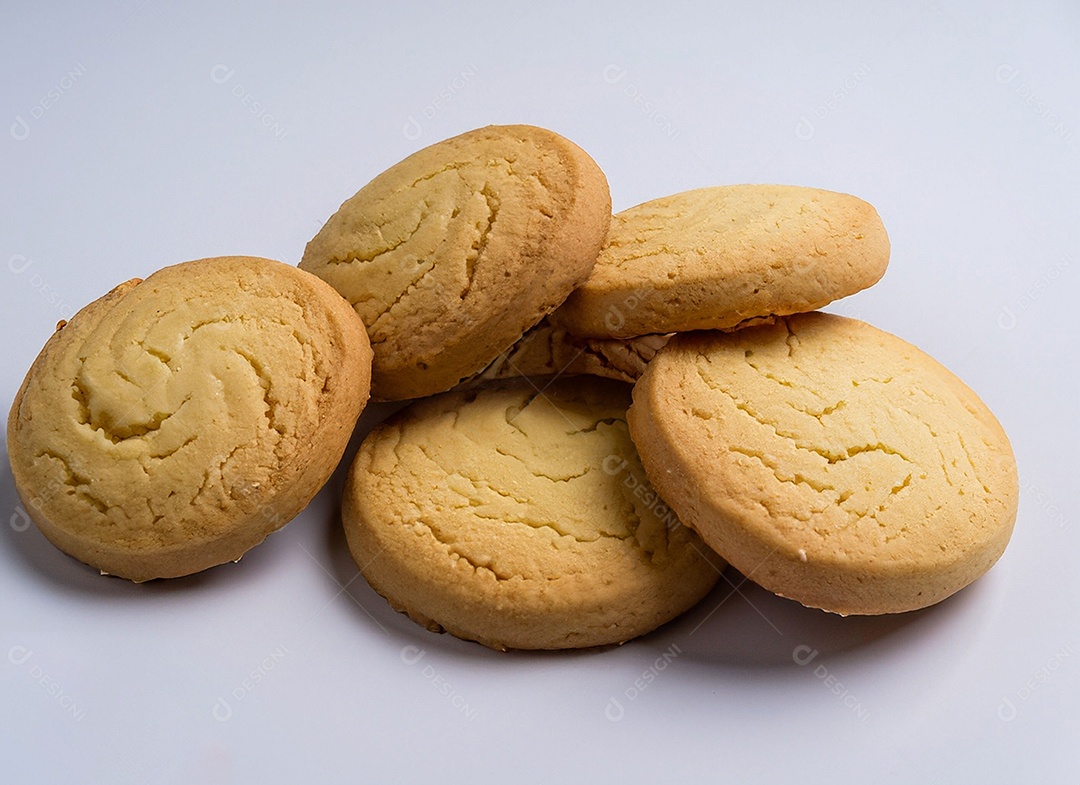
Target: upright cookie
829	461
452	254
521	520
175	422
548	350
718	257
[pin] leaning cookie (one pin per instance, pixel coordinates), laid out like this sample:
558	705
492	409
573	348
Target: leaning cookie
829	461
521	520
549	350
452	254
727	256
175	422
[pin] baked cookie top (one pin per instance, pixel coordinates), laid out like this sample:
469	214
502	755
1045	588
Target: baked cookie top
452	254
717	257
174	423
521	519
829	461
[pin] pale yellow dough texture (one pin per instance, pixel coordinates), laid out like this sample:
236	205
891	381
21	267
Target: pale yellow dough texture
521	520
718	257
174	423
829	461
452	254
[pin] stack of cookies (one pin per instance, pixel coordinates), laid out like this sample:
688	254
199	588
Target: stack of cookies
613	407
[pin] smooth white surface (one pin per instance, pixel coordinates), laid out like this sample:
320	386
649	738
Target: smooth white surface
182	130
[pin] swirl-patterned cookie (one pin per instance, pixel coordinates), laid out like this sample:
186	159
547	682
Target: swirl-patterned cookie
175	422
732	255
829	461
452	254
520	519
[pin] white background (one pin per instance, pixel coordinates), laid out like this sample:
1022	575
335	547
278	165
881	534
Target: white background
147	133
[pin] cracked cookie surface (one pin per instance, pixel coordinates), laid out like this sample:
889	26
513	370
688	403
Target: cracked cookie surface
829	461
714	258
452	254
175	422
520	519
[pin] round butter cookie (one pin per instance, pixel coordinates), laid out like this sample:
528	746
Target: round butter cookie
452	254
828	461
521	520
175	422
731	255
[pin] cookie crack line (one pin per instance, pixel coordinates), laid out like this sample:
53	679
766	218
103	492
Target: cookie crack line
453	551
770	376
474	501
455	167
795	479
375	330
170	453
479	245
518	409
158	418
537	525
387	247
265	383
79	484
819	415
220	471
971	463
539	474
110	432
830	456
